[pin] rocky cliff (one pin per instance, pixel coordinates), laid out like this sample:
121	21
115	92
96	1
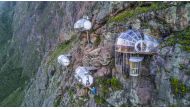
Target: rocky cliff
34	34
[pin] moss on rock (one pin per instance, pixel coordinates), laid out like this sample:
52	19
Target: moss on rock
179	89
62	48
138	10
14	99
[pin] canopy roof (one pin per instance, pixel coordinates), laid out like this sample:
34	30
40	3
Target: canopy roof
131	35
136	39
135	59
129	38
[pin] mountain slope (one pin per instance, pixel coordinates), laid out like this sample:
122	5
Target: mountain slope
37	32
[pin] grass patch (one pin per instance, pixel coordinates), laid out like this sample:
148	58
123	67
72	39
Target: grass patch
138	10
57	101
99	100
181	37
115	83
11	76
179	89
62	48
97	42
14	99
106	83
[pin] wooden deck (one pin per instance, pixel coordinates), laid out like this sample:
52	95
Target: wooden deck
143	53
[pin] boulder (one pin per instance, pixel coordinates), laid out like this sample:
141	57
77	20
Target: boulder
94	52
102	72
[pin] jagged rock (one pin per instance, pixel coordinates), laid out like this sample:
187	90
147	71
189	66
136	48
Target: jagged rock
95	52
144	95
117	98
105	10
95	62
133	97
108	36
105	56
141	91
93	38
102	72
86	61
136	24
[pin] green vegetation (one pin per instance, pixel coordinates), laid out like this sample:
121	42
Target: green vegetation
79	102
97	42
182	66
5	25
79	85
124	105
115	83
11	73
62	48
11	78
14	99
106	83
138	10
57	101
171	41
45	19
5	31
179	89
99	100
182	38
187	71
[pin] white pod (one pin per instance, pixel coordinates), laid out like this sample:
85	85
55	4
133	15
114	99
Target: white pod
83	25
82	75
63	60
87	25
81	71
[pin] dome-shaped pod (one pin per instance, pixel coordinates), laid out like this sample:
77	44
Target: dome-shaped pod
63	60
82	75
126	40
135	65
87	25
81	71
83	25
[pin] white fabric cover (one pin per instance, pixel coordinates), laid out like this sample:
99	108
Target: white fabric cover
81	71
135	59
83	24
82	75
63	60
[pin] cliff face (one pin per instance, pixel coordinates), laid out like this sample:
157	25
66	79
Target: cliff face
37	32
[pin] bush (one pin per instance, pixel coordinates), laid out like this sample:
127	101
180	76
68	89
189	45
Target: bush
179	89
